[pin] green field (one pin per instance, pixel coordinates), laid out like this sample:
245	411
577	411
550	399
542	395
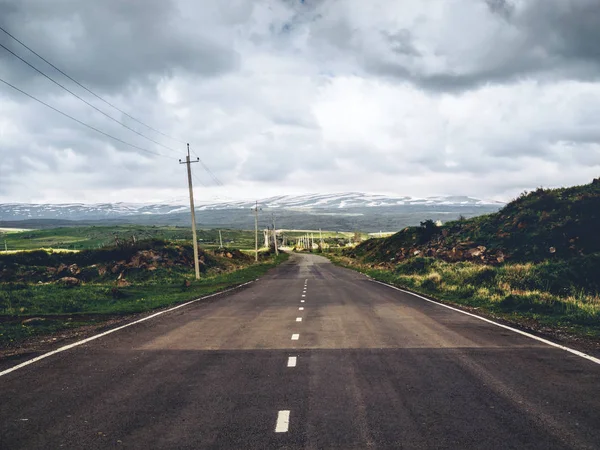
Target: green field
90	237
93	237
43	292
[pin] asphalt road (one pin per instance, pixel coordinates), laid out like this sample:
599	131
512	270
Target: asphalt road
374	368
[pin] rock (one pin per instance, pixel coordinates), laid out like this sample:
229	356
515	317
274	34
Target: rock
552	250
229	255
417	252
69	281
122	282
102	270
473	253
33	320
73	269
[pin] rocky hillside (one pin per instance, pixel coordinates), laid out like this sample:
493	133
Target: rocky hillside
540	225
117	263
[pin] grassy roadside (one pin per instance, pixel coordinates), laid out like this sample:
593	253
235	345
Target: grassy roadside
509	292
29	309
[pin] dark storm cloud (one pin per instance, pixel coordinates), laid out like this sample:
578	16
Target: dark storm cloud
545	39
109	44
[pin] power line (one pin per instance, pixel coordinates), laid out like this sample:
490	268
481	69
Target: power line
80	122
206	168
85	101
89	90
212	175
199	180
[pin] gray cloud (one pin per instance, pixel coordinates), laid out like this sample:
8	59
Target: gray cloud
484	97
112	45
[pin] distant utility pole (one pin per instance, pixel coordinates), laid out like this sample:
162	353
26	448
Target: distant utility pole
195	241
321	238
220	239
256	209
274	234
5	246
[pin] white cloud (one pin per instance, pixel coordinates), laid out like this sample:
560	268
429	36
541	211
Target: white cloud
415	98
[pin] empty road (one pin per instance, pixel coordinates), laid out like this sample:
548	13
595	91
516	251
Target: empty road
311	356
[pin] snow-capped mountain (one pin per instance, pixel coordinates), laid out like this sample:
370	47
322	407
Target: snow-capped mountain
343	201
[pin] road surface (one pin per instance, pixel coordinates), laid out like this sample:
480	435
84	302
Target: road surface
311	356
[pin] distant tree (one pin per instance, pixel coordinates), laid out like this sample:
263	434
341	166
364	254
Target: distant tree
427	231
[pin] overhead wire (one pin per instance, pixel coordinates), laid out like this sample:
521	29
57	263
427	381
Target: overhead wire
87	89
80	122
199	180
212	175
84	100
206	168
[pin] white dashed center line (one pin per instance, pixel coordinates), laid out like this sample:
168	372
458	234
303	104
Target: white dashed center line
301	308
292	361
303	295
301	301
283	421
298	319
295	337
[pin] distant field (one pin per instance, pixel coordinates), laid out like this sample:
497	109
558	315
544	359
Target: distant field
91	237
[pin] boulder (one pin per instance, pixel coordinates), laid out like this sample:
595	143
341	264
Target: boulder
33	320
122	282
69	281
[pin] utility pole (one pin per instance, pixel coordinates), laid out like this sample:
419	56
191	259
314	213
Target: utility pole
195	241
220	239
5	246
274	235
255	209
321	238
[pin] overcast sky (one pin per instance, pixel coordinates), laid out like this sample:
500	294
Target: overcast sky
477	97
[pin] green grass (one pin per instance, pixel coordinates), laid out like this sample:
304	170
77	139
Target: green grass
93	237
148	290
519	293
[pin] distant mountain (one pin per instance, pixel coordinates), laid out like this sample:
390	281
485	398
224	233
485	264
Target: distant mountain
307	203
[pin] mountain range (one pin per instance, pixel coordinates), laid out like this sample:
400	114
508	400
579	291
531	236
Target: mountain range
342	211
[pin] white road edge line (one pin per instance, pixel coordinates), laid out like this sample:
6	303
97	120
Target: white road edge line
283	421
295	337
298	319
506	327
91	338
292	361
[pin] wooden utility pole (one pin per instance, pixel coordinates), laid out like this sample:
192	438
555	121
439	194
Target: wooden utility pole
195	241
255	209
274	235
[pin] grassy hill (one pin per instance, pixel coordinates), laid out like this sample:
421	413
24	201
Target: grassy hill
535	262
547	224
